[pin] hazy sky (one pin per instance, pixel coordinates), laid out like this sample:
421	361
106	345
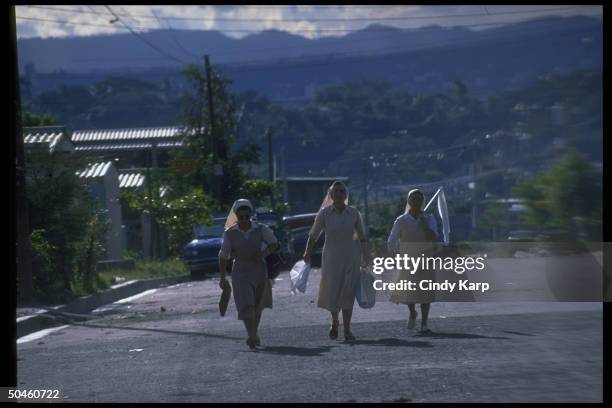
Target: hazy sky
241	20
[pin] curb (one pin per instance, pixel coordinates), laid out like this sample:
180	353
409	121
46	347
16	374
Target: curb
51	317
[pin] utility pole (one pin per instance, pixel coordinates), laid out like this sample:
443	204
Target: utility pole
217	168
270	165
24	265
149	198
154	165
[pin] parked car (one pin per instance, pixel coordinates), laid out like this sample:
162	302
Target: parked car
298	237
297	228
201	255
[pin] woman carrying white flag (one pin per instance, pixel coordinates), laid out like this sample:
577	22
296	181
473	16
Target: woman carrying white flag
413	234
341	256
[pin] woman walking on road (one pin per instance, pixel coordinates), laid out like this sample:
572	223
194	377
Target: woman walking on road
242	241
413	234
341	256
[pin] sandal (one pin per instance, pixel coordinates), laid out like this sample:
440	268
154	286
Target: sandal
348	337
251	343
333	331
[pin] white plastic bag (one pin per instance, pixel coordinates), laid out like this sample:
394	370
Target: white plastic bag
299	276
365	293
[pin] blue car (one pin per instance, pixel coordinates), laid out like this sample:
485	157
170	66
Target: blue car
201	255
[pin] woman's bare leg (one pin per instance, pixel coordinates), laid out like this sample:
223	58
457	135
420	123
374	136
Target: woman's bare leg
346	320
413	315
249	325
412	310
335	321
424	314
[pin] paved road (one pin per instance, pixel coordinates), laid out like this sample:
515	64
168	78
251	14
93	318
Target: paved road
479	352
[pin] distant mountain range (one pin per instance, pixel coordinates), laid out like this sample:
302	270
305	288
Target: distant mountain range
289	67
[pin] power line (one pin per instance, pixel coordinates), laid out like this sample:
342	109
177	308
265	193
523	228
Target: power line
174	36
464	41
361	40
351	58
318	30
312	19
360	52
145	40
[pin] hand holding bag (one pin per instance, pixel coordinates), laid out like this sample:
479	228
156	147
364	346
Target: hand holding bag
299	276
364	291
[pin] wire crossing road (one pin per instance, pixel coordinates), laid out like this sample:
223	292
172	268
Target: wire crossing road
478	352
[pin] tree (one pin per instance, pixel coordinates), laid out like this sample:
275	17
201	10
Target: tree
568	195
31	119
65	229
199	142
176	214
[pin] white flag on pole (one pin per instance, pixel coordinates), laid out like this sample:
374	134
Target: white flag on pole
443	212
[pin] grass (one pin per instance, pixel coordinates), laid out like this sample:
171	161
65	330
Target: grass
54	293
145	269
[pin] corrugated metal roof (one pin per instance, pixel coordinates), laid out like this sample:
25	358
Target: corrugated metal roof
95	170
44	135
99	135
131	180
126	145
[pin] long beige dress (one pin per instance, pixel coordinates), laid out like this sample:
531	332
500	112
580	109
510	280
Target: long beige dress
341	256
251	287
408	238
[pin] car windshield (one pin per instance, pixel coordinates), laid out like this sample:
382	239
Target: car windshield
210	231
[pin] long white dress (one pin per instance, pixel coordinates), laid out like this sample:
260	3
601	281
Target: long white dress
407	237
341	256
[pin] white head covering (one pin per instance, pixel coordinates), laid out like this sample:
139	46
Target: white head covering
232	218
411	192
327	201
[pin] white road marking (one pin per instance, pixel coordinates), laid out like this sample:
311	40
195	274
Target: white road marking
129	299
121	301
119	285
39	334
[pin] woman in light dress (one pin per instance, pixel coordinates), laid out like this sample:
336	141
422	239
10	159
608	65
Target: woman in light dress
413	234
242	241
340	263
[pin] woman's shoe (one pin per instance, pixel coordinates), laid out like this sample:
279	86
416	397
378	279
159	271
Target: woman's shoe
251	343
333	331
348	337
425	329
257	341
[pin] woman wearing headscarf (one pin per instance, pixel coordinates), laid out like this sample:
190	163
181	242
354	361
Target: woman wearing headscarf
413	234
242	241
341	256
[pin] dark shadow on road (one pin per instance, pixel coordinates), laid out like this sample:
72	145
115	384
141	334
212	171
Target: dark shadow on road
296	351
106	326
393	343
517	333
442	335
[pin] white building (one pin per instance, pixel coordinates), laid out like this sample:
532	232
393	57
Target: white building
103	182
